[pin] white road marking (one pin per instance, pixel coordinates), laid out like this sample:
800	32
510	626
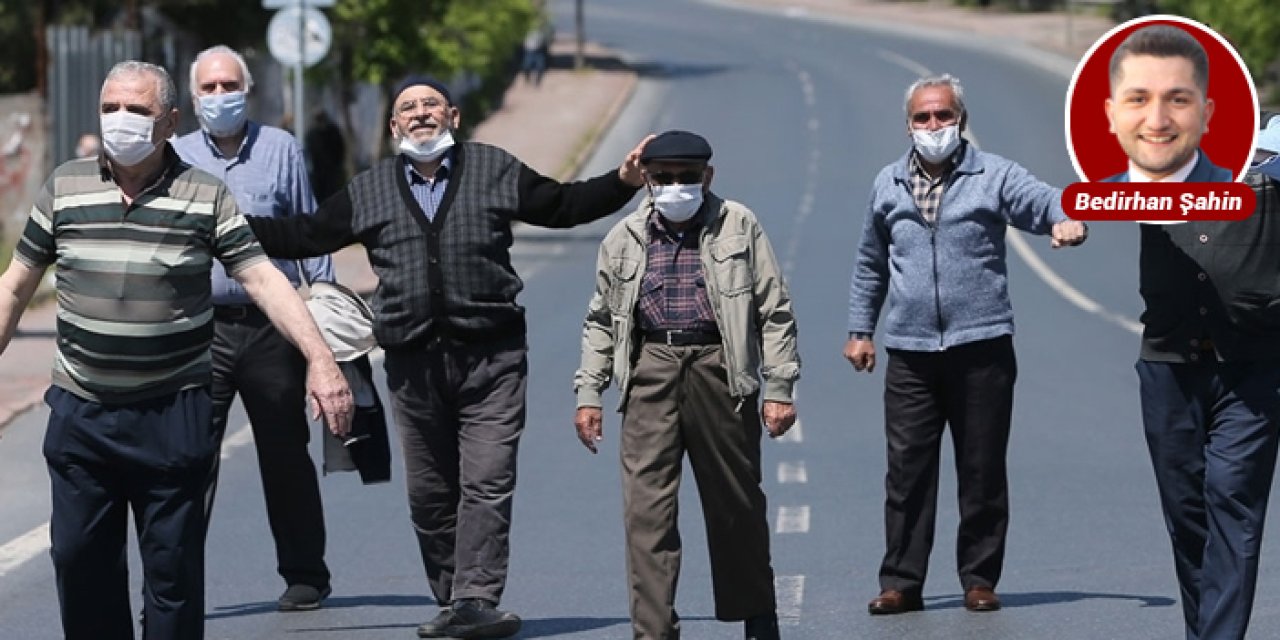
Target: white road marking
242	436
23	548
793	519
789	592
792	472
904	62
795	434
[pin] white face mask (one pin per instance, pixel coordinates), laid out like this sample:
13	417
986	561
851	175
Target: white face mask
126	137
677	202
936	146
427	150
222	114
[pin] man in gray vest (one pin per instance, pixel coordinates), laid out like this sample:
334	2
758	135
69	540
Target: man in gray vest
435	220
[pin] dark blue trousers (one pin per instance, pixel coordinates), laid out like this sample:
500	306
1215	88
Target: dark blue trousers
152	457
1212	432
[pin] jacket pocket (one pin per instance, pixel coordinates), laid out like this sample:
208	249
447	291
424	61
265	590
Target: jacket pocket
623	272
732	266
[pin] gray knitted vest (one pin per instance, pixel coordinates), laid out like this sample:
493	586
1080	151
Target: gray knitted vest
451	277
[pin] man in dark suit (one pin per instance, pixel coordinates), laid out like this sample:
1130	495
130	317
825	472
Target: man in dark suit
1159	107
1209	370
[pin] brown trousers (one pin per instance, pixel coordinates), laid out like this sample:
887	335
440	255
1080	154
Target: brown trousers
678	402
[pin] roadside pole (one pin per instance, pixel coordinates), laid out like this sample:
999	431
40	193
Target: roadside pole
298	36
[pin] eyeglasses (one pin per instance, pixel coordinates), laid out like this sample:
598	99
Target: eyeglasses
945	116
670	177
430	104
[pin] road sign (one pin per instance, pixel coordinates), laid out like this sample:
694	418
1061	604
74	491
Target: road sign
280	4
282	36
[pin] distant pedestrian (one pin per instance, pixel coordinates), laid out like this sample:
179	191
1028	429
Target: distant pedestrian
537	51
690	309
132	237
1209	382
436	222
263	169
88	146
326	155
934	236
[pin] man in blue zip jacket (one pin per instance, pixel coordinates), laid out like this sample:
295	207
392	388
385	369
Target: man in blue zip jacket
935	236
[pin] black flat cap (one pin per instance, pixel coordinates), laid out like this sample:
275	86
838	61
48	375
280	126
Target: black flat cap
676	145
417	79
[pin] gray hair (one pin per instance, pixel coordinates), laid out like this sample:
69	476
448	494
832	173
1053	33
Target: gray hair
165	90
944	80
222	48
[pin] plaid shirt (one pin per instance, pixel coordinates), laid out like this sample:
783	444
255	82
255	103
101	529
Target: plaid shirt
927	190
673	294
429	193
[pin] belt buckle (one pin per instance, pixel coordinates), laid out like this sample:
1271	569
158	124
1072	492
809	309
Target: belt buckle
235	312
668	334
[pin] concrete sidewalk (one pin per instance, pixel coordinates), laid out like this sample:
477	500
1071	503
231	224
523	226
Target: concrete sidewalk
554	128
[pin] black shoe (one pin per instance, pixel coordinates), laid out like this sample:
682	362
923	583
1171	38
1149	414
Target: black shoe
475	618
302	597
763	627
434	628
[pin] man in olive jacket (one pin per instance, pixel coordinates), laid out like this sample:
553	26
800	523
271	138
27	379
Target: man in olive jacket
690	310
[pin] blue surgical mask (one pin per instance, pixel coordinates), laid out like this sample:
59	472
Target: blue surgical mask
222	114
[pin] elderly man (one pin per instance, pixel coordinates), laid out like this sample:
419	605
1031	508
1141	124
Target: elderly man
1159	106
693	278
132	236
949	334
264	170
436	222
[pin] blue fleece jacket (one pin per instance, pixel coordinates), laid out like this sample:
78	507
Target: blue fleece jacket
946	285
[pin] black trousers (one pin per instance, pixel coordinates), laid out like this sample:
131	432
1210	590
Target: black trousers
152	457
460	409
1212	430
252	358
970	388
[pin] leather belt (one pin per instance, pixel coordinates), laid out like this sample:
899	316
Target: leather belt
237	312
682	337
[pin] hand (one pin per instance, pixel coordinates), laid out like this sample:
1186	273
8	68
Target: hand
329	396
631	171
861	353
1069	234
589	421
778	417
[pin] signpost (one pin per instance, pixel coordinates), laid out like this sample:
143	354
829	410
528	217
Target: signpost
298	36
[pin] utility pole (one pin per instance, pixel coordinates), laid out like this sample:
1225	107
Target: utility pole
580	57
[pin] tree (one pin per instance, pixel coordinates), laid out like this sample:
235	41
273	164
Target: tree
384	40
1252	26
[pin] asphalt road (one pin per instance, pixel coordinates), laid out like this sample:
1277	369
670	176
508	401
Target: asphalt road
802	113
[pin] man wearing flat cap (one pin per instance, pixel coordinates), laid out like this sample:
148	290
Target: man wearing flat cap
690	311
435	220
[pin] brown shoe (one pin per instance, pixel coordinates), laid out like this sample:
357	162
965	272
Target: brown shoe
981	599
891	601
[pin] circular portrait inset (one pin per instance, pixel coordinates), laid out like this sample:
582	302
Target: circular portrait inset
1161	98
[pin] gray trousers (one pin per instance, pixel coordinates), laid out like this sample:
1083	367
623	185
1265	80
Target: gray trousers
460	409
678	402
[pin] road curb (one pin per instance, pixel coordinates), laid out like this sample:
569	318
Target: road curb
596	133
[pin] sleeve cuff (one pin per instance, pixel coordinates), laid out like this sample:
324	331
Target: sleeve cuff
588	397
779	390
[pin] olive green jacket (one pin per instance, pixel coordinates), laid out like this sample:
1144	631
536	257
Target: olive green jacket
747	292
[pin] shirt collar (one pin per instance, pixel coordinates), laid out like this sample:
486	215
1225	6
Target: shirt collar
1137	175
250	135
442	171
171	160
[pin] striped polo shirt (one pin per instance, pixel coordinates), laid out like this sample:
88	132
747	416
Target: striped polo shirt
134	314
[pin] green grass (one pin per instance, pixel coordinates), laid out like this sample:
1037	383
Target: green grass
6	251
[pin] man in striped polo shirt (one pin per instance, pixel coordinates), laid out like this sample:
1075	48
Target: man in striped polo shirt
133	235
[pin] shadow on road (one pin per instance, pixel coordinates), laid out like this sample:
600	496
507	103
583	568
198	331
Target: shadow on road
345	602
552	627
1034	598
